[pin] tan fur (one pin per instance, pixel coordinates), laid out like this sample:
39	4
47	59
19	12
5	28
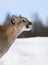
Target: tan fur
9	32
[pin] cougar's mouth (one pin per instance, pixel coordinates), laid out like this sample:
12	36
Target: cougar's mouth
29	25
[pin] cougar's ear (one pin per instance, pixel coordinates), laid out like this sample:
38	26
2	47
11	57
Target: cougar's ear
20	15
14	19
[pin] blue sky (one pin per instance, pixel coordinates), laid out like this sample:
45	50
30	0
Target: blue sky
24	7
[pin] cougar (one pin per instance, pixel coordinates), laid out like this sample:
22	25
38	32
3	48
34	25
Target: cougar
9	32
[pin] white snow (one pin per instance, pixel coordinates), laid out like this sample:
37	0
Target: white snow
29	51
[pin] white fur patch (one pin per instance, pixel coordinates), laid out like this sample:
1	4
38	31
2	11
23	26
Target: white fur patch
27	29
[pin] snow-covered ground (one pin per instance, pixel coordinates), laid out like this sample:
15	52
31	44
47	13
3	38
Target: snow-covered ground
29	51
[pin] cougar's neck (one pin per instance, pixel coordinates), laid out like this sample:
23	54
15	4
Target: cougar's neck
10	34
13	33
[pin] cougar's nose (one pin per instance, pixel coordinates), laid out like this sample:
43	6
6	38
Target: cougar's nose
30	23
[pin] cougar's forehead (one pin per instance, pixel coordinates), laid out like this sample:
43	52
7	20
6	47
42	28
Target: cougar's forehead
23	18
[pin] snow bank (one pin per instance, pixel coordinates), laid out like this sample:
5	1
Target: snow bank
29	51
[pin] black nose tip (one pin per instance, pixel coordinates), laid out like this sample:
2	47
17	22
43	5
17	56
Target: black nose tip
30	23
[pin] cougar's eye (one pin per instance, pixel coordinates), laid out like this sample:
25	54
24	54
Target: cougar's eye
23	20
